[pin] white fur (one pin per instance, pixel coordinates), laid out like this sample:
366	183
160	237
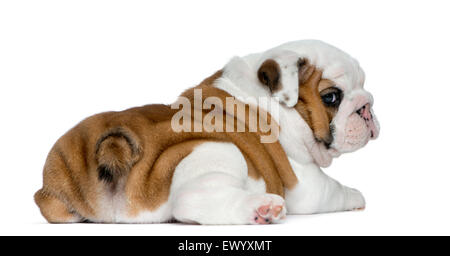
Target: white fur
211	186
317	193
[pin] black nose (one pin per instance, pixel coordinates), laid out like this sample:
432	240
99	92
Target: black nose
364	112
359	111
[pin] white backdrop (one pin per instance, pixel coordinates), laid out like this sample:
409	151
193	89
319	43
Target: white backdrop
61	61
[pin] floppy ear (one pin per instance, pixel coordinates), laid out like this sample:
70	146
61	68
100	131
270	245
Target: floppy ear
269	74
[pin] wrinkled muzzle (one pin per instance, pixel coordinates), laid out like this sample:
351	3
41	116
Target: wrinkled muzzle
355	123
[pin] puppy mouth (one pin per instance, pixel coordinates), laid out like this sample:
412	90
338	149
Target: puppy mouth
366	115
325	143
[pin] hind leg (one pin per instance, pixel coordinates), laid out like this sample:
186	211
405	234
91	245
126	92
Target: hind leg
54	209
220	198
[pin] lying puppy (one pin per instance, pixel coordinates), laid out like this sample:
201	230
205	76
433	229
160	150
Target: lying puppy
209	164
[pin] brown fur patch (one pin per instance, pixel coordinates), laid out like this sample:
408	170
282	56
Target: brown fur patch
54	209
325	84
269	75
310	104
324	87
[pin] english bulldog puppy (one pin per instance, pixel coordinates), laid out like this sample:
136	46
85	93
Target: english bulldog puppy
207	163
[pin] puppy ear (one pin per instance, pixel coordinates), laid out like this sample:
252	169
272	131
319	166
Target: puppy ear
269	74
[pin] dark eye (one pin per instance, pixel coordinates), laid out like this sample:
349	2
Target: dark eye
332	98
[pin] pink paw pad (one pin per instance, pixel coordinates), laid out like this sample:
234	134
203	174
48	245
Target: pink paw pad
267	214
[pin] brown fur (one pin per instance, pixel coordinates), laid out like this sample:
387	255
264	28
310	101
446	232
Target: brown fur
269	75
324	86
139	147
310	106
116	152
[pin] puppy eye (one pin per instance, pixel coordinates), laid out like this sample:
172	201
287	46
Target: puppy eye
332	99
329	98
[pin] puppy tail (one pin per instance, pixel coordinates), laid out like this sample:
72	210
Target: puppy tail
116	153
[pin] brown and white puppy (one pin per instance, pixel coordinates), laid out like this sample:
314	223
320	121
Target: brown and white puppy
134	167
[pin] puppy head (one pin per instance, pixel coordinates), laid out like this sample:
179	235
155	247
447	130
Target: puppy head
278	73
355	122
338	110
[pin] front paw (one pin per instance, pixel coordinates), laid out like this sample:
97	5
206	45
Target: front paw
355	200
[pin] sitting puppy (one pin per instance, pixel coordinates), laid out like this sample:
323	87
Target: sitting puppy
217	166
